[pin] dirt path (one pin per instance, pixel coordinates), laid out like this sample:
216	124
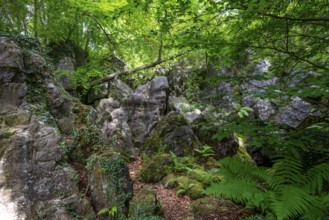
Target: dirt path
173	206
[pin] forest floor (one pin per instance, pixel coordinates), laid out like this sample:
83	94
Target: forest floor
175	206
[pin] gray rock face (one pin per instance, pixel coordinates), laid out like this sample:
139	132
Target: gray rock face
264	109
295	113
119	90
61	109
181	105
110	185
127	117
119	132
172	133
29	148
11	56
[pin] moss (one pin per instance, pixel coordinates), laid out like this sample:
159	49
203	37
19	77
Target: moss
6	133
201	176
207	205
157	168
144	203
190	187
212	163
164	133
196	191
17	119
170	181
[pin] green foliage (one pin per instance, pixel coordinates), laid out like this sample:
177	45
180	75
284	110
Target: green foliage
182	188
206	151
83	143
181	164
286	190
111	212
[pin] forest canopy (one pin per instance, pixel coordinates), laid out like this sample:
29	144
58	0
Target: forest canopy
289	33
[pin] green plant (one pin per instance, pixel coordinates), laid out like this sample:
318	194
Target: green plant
181	164
206	151
287	190
242	111
111	212
183	188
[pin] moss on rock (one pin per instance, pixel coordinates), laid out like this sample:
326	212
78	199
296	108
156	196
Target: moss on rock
172	133
144	203
155	169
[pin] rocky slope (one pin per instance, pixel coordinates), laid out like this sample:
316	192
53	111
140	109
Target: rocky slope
61	159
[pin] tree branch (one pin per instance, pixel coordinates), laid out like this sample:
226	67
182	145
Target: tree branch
292	54
146	66
324	19
102	28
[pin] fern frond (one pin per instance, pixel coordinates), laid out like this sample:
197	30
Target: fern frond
315	178
287	170
239	191
292	202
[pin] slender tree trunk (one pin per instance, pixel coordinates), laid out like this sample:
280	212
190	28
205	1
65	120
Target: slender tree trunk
35	19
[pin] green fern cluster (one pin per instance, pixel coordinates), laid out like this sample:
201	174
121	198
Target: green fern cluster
288	190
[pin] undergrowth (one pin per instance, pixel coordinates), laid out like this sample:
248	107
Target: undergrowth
296	187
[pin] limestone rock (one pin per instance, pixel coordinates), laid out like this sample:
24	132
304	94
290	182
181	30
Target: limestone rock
119	90
11	58
60	108
110	184
174	134
144	203
264	109
181	105
119	133
30	152
154	170
295	113
145	108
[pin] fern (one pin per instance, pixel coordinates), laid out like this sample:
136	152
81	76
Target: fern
291	201
286	190
316	176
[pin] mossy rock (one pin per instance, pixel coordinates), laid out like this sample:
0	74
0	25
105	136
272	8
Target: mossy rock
144	203
6	133
21	118
155	169
189	187
202	176
216	208
196	191
170	181
172	133
212	163
110	183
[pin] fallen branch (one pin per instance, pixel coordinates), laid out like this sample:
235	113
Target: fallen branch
147	66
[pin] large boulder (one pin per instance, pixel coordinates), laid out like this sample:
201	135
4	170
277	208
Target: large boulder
119	90
155	169
145	204
110	184
172	133
145	107
295	113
